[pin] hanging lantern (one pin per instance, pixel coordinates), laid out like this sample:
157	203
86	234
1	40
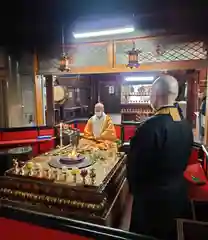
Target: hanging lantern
55	81
65	60
64	63
133	57
159	50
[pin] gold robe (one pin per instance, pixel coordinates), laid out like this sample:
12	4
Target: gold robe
107	136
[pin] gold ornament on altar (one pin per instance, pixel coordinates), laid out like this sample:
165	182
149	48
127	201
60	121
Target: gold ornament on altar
29	166
38	170
92	176
56	174
22	171
15	166
22	166
47	173
74	173
83	174
64	171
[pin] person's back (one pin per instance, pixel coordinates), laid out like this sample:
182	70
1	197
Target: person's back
157	183
173	144
158	156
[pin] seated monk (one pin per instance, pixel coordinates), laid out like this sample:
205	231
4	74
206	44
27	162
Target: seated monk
100	128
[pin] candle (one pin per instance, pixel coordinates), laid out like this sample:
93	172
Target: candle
61	140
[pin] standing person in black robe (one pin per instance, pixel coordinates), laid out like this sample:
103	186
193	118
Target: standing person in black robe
158	156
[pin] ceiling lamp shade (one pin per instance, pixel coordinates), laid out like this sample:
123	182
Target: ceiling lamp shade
133	57
108	32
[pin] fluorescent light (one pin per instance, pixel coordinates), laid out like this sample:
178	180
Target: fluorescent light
141	79
104	32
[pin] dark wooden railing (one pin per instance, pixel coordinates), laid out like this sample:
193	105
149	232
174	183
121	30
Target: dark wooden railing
27	223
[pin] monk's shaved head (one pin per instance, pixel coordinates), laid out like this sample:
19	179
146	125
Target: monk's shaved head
164	91
99	107
166	85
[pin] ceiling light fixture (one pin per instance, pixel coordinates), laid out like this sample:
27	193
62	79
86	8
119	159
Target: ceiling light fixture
104	32
140	79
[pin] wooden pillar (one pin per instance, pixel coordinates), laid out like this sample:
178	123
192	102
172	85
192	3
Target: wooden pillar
39	119
206	117
192	81
50	116
111	51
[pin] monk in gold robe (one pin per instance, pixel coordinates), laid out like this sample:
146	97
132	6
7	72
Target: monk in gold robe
100	128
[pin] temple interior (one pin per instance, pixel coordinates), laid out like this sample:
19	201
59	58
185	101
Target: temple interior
49	166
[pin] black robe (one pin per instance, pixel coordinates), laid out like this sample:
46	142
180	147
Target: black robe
158	156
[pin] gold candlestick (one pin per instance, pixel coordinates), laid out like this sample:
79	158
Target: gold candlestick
38	170
56	174
22	171
83	174
15	166
92	176
64	172
74	173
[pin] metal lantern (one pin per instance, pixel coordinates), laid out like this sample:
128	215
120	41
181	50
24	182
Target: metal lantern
159	50
64	63
65	60
133	57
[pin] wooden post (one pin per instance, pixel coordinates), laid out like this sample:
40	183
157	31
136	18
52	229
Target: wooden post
206	117
192	79
111	54
50	116
39	119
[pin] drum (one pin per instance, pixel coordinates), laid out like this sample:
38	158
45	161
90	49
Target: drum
60	94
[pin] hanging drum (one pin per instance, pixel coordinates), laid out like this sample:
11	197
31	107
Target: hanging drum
60	94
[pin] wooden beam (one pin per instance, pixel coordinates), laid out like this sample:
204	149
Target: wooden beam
38	94
146	37
174	65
